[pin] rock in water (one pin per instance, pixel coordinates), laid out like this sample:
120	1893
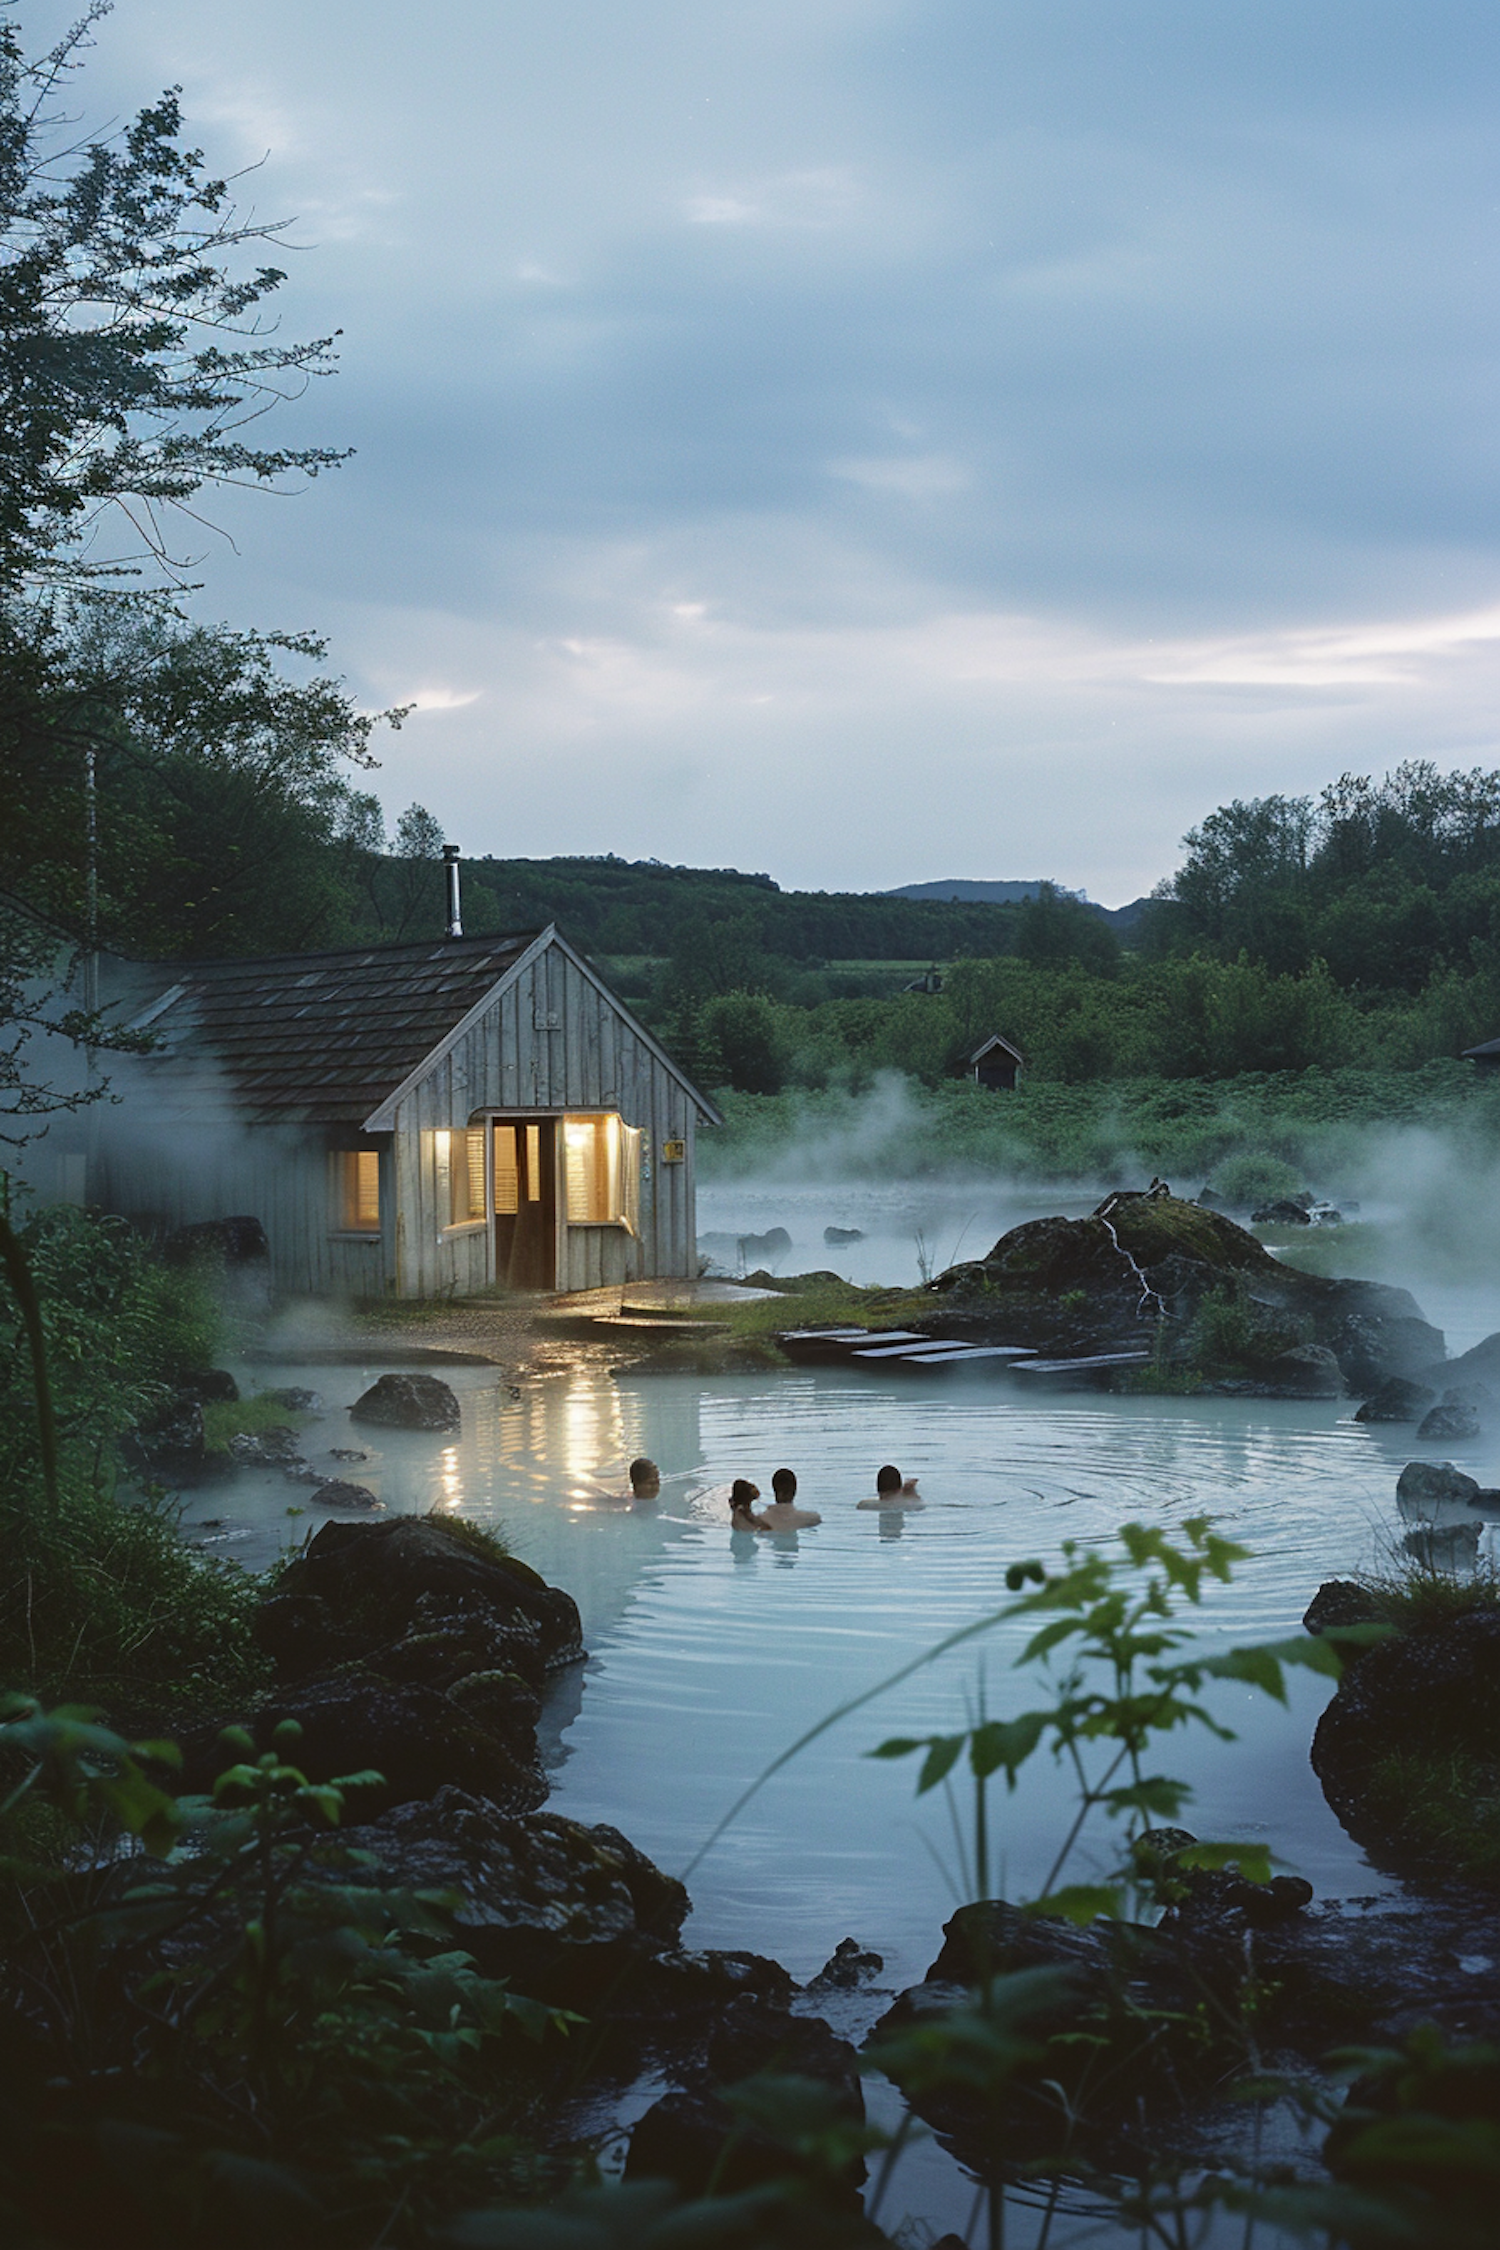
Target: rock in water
1306	1371
560	1908
1340	1601
416	1739
377	1582
336	1494
1456	1415
1425	1702
1398	1400
1428	1484
409	1402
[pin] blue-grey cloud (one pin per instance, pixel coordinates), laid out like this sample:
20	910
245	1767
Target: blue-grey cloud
758	407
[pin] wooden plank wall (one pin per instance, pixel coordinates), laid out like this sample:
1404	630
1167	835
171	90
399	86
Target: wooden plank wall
282	1176
552	1042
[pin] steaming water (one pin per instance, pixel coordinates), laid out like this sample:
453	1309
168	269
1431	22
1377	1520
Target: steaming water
711	1652
903	1226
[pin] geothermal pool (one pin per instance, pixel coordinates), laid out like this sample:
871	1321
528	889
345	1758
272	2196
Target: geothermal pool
711	1652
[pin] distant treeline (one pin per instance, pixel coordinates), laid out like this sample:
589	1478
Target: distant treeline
633	907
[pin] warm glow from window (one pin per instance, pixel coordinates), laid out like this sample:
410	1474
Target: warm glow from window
465	1174
359	1190
602	1171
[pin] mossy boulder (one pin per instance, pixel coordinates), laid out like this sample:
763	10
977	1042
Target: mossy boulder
1408	1750
1141	1269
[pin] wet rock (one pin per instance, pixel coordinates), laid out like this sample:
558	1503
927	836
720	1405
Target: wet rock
235	1251
563	1910
752	1248
1284	1213
275	1448
389	1580
1305	1371
1340	1601
1443	1546
1432	1484
848	1966
417	1739
211	1386
409	1402
1457	1414
703	2143
298	1634
836	1235
232	1242
705	2134
1422	1703
171	1443
1215	1902
347	1453
1374	1331
295	1400
1480	1364
337	1494
1397	1400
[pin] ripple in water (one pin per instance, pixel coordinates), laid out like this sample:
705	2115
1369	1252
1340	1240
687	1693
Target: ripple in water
712	1653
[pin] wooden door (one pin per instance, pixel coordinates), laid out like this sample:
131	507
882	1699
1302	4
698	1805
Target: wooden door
526	1204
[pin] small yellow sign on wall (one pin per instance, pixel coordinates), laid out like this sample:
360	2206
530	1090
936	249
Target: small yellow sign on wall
674	1152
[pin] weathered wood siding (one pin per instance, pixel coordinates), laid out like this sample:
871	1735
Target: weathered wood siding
552	1042
177	1175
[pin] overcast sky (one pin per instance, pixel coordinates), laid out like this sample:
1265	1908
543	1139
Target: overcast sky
873	440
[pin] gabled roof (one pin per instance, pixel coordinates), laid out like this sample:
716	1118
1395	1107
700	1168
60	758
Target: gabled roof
1487	1051
988	1046
313	1038
326	1038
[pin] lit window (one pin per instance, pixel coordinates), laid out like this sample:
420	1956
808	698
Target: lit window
602	1163
465	1174
359	1190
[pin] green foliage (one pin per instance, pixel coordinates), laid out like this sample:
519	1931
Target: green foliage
254	2002
137	357
1255	1177
1230	1334
1316	1121
98	1597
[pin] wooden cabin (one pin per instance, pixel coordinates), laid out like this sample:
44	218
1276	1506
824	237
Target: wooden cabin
996	1064
418	1120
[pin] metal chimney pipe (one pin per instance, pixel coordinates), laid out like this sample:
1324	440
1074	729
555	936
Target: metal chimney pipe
450	862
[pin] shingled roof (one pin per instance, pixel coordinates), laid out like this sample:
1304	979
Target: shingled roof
309	1038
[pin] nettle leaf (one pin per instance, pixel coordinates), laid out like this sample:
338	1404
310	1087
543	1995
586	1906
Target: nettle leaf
1261	1667
1020	1573
1156	1793
1253	1861
1049	1636
942	1756
1006	1742
1080	1903
899	1746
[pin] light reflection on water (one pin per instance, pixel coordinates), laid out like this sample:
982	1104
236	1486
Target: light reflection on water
712	1652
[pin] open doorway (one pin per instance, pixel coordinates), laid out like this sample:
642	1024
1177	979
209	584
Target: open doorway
526	1204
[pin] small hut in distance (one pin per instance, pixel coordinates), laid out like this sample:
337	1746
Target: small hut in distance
1486	1054
997	1064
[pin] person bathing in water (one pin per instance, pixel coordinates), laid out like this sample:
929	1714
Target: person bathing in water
892	1490
645	1484
783	1514
742	1497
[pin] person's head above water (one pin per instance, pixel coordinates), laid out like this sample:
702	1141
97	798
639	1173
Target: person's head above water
741	1494
888	1479
645	1477
784	1485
